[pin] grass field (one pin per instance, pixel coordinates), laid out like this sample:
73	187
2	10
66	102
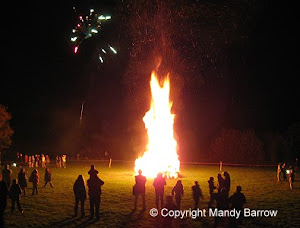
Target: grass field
53	207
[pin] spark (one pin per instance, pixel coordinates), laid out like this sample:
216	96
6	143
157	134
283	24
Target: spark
112	49
101	17
101	59
73	39
75	49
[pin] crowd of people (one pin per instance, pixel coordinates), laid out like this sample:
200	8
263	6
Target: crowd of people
34	178
35	160
219	193
13	188
220	197
40	160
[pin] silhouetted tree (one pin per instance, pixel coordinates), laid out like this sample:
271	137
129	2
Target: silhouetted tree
5	130
242	146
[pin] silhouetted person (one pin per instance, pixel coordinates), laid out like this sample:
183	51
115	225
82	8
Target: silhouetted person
283	171
167	221
178	192
159	185
35	179
291	178
222	203
220	182
237	201
57	162
14	195
22	180
3	200
80	195
94	184
197	194
139	189
48	177
212	187
6	175
227	182
93	171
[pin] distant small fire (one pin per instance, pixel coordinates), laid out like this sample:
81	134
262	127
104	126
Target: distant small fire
161	152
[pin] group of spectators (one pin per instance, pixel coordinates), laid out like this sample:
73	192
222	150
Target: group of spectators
287	172
94	184
13	188
219	194
220	197
35	160
61	161
40	160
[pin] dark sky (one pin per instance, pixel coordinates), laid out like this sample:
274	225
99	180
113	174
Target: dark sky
44	83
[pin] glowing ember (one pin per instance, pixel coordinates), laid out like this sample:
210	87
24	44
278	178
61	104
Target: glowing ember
161	151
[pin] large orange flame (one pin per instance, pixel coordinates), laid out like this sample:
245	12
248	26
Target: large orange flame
161	152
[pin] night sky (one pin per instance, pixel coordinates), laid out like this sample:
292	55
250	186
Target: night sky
43	83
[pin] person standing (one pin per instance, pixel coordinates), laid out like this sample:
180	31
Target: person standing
25	159
227	182
220	182
178	192
283	171
212	187
222	204
22	180
291	178
159	185
47	160
197	194
278	172
14	195
29	161
80	195
237	201
170	206
57	161
43	159
6	175
94	184
64	161
139	189
32	161
37	161
3	199
48	177
35	179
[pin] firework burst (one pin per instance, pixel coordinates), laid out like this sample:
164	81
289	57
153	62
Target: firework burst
89	26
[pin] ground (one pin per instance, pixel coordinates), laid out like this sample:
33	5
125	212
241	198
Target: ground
53	207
